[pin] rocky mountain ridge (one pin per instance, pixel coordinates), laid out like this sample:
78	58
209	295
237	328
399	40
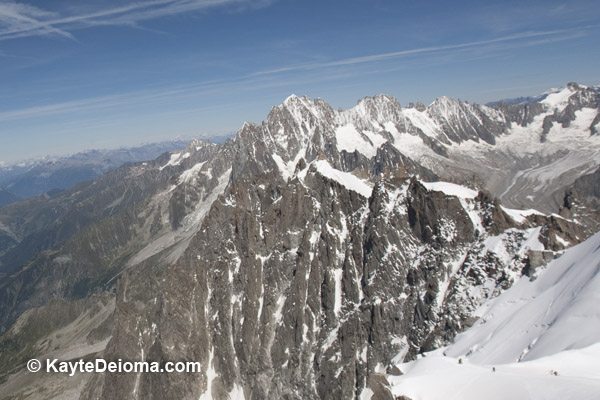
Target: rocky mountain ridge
520	152
294	261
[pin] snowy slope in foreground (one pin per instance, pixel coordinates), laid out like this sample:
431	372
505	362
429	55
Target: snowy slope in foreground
551	323
433	378
557	311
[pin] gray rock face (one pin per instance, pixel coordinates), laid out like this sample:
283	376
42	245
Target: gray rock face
302	290
300	297
295	261
521	114
581	203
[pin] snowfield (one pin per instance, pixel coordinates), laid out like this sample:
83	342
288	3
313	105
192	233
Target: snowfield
537	327
438	377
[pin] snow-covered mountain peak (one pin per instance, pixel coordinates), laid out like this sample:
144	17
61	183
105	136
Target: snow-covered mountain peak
378	109
380	101
301	108
372	114
558	99
576	86
445	108
435	136
572	94
443	102
294	102
291	98
572	86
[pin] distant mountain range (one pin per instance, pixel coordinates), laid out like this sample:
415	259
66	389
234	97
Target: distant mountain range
50	175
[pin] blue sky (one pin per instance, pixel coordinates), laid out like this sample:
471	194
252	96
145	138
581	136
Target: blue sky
83	74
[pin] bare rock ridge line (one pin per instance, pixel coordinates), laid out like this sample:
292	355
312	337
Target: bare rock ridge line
305	257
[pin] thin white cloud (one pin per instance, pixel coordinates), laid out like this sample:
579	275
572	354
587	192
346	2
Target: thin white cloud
186	95
265	79
555	35
52	109
18	18
165	95
22	20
